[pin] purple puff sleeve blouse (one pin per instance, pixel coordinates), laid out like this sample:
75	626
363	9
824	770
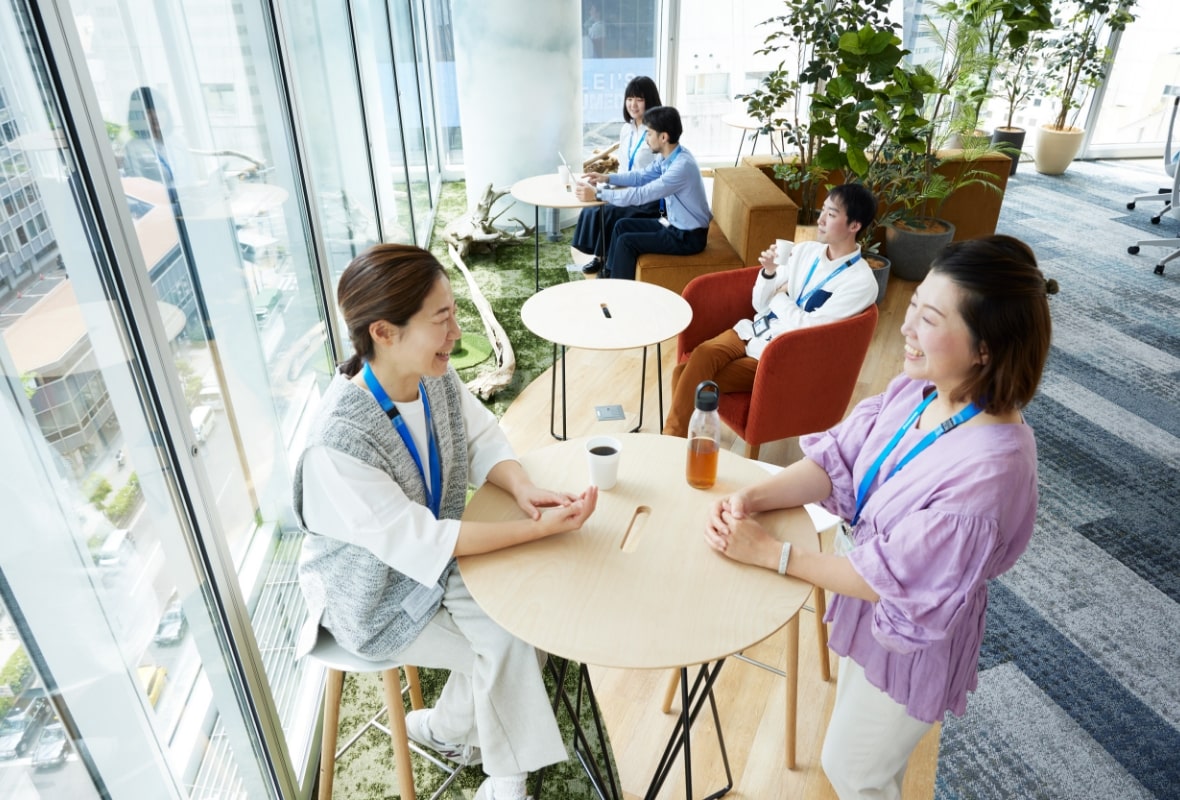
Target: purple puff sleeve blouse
928	541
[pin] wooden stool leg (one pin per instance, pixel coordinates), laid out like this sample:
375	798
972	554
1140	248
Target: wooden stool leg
792	687
821	631
392	680
333	689
416	701
670	692
752	451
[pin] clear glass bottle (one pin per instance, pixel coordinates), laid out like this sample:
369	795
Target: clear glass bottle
704	437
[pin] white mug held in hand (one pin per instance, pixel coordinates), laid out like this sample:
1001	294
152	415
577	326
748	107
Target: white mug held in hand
783	250
602	453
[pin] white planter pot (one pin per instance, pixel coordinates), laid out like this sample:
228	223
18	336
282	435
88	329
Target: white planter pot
1056	149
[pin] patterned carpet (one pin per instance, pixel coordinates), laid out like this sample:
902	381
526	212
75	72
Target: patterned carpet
1081	661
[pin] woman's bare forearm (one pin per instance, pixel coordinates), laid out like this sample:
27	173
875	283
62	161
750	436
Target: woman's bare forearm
801	483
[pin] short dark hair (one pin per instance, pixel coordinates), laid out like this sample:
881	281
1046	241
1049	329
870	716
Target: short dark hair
1006	308
386	282
858	203
664	119
642	87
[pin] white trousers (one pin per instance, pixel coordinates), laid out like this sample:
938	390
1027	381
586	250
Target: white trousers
870	738
495	697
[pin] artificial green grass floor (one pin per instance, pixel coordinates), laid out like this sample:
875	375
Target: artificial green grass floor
365	771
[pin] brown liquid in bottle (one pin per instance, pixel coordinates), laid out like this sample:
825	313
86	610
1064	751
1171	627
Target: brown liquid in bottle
701	469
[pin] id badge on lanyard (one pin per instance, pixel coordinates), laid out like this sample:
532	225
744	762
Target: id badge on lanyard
844	543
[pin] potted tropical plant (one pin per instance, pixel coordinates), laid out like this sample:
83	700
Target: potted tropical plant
983	32
1076	60
1018	77
913	187
812	36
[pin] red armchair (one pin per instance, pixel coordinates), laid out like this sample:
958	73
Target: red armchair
805	378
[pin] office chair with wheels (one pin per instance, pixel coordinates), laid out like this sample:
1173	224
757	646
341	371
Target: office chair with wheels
1171	197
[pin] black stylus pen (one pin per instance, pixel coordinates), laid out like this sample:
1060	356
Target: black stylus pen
605	310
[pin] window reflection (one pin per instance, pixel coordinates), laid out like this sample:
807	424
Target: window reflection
37	758
618	44
148	484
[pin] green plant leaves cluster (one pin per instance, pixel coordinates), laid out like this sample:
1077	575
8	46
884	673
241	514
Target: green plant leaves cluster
1075	56
841	90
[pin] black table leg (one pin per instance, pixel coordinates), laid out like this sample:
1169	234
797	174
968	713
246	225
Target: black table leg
642	386
602	776
660	382
553	396
691	703
537	246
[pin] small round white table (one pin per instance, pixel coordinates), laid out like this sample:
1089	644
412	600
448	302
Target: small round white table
545	191
606	314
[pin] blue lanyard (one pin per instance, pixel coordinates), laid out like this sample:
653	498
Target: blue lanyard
434	490
862	492
634	150
802	299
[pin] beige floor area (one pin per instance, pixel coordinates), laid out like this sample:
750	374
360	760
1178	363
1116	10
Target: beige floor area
751	700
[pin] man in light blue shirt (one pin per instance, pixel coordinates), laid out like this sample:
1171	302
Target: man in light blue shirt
674	179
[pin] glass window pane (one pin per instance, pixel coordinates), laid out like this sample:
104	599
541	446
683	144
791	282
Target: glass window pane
440	34
1134	110
408	62
618	44
102	571
381	97
210	172
324	78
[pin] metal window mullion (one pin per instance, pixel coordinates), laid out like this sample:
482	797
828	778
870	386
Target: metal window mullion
360	95
401	117
668	46
1095	110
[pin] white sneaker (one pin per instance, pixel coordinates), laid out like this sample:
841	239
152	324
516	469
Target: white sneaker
418	728
485	791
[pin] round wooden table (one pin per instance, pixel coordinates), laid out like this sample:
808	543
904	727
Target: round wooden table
637	586
545	191
605	314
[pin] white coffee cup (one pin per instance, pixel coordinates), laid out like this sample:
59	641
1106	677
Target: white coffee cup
566	176
783	250
602	454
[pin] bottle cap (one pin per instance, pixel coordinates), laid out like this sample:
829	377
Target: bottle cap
707	396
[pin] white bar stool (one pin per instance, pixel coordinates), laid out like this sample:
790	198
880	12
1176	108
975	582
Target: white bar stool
339	662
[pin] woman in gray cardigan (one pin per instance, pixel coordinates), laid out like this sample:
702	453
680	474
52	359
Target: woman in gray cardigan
380	489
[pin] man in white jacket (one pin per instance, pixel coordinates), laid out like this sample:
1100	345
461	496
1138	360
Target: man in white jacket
822	281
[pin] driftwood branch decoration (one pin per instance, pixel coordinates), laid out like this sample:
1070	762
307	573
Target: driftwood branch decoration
486	385
603	161
477	227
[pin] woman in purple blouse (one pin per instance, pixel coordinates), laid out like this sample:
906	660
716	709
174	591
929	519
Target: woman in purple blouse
937	477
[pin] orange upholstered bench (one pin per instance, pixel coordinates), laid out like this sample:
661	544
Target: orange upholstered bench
749	213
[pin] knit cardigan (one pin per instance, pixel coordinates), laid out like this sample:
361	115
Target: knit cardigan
349	591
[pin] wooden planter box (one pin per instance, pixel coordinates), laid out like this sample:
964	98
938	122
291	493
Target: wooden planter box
974	210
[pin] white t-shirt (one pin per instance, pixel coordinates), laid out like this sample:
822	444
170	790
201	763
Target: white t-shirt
851	292
347	499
